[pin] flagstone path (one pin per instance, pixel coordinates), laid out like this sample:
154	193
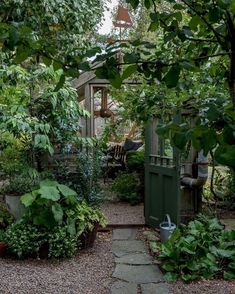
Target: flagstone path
134	268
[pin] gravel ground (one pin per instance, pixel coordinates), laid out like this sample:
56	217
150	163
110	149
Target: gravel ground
122	213
204	287
88	273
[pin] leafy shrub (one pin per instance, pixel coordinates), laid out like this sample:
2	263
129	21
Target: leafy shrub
12	157
19	184
5	217
85	217
61	243
84	179
46	205
22	239
135	161
201	249
128	187
2	235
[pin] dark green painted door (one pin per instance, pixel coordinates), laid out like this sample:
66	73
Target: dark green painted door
162	179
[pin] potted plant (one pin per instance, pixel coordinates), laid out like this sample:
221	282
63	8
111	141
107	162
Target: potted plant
87	220
3	245
12	190
5	217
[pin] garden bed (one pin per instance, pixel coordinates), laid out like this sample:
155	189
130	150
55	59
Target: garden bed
89	272
204	287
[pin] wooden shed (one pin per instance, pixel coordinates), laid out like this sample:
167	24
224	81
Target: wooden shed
87	85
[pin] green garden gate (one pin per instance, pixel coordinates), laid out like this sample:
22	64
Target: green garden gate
162	179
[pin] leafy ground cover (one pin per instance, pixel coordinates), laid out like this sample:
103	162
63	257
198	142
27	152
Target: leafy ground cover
202	249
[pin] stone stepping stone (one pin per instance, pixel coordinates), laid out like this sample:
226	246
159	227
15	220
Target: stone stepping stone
124	234
160	288
139	274
121	248
135	259
123	288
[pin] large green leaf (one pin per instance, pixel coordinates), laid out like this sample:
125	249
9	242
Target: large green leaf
57	212
49	183
45	218
66	191
225	154
50	193
28	198
172	77
129	71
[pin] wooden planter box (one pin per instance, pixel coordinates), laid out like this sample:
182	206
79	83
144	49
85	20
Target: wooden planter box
87	239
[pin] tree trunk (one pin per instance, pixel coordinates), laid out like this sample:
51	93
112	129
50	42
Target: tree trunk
231	81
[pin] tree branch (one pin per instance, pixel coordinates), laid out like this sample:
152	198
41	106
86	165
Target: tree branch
201	40
217	35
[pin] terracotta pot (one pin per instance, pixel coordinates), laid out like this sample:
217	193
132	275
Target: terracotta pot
3	249
87	238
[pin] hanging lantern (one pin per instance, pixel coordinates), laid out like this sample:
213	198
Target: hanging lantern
123	19
105	112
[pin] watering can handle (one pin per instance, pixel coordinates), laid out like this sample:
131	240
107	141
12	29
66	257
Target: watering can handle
168	220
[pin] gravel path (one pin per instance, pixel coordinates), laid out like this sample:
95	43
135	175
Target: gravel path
88	273
122	213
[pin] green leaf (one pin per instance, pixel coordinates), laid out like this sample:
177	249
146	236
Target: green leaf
229	275
60	83
194	22
225	154
180	140
189	66
232	6
71	227
28	198
48	183
129	71
131	57
57	212
47	61
50	193
171	277
147	3
134	3
169	267
85	66
221	252
172	76
66	191
21	54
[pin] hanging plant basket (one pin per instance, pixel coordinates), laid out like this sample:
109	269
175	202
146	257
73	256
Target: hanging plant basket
87	238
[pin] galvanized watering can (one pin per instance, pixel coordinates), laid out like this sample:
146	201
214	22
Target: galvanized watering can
166	228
